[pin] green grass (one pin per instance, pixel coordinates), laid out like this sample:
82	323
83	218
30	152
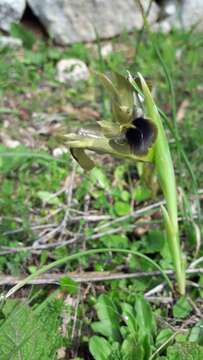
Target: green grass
32	204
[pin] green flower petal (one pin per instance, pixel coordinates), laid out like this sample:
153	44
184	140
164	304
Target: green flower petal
83	160
125	91
122	148
108	85
109	129
121	114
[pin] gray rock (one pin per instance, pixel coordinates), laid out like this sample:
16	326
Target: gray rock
171	7
10	42
182	14
69	21
163	26
192	14
106	50
70	71
10	11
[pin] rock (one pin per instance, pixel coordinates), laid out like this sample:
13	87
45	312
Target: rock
10	42
7	141
10	11
182	14
70	71
192	14
171	8
59	151
163	26
69	21
106	50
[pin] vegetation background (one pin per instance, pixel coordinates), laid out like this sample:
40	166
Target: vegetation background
109	305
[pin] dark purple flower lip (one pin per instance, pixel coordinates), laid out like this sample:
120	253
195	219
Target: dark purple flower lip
141	136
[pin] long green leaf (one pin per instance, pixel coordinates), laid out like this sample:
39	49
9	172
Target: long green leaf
165	172
108	315
99	348
78	255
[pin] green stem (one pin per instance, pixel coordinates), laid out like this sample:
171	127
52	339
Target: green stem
78	255
165	172
174	128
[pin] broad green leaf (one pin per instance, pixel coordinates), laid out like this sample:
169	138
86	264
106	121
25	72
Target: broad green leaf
122	208
108	315
182	308
141	193
182	337
116	353
32	269
163	336
99	176
115	240
48	198
23	335
69	285
153	242
144	316
146	325
124	195
196	334
129	316
99	348
131	349
184	351
147	344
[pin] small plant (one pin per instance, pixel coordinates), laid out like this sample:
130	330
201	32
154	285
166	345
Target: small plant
137	138
125	331
129	331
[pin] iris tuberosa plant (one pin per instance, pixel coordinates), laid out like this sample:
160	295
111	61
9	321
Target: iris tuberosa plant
139	138
127	136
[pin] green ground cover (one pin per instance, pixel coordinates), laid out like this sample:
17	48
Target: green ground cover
51	208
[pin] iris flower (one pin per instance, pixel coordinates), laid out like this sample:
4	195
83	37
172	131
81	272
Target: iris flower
138	138
128	135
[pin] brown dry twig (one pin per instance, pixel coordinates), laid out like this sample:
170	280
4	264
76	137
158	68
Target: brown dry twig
85	277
